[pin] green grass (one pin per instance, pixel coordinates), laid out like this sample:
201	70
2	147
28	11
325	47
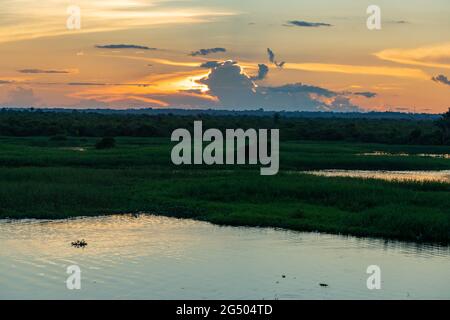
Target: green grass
43	179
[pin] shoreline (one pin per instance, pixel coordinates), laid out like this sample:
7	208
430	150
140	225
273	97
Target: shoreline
40	180
404	240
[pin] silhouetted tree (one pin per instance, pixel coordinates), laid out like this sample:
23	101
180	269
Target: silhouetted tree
444	124
276	118
91	124
415	135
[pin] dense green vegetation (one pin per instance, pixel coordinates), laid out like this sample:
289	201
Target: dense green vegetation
106	143
83	124
61	177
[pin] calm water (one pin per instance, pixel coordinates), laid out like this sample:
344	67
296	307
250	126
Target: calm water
422	155
149	257
422	176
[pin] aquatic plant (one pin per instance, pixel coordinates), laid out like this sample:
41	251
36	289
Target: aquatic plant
79	244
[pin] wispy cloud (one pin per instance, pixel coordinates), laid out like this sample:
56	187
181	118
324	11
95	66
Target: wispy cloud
273	60
441	79
124	46
271	55
28	19
38	71
108	84
302	88
205	52
366	94
166	62
435	56
363	70
210	64
178	89
306	24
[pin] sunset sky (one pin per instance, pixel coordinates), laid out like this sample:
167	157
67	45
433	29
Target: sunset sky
214	54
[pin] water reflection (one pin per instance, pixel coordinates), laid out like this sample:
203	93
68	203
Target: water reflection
426	155
420	176
148	257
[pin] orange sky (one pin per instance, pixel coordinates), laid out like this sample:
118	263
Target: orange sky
44	64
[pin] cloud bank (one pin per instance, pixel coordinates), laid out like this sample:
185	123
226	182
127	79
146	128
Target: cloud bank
233	88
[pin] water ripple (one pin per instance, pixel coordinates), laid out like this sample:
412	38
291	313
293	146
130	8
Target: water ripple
151	257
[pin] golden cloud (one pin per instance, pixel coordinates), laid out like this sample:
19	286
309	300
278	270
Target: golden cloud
363	70
435	56
31	20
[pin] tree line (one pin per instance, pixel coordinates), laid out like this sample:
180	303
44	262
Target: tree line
26	123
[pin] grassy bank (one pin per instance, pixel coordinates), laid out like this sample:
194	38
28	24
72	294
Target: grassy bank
40	178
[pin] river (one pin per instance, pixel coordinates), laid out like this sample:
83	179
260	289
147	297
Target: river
152	257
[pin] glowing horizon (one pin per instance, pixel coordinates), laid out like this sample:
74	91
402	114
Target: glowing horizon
135	53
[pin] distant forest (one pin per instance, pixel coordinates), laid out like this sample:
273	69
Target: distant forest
22	123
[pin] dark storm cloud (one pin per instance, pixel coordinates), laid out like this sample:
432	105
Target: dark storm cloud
299	23
230	85
441	79
263	70
205	52
235	89
124	46
37	71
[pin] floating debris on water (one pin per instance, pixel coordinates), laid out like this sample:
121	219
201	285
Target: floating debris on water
79	244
